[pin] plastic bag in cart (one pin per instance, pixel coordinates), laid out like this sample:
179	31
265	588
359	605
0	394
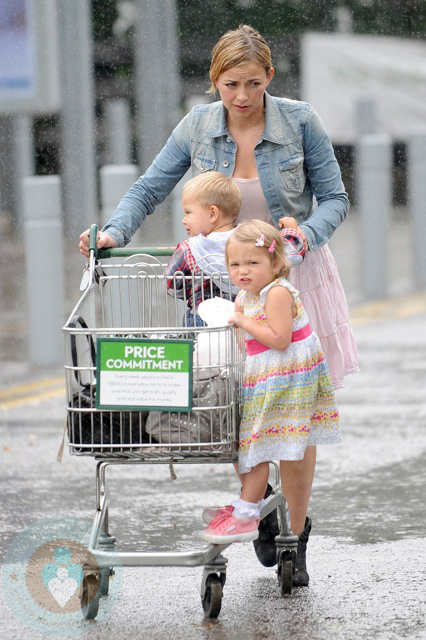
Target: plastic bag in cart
214	353
86	425
207	424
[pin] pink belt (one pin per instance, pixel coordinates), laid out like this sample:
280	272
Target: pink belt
254	347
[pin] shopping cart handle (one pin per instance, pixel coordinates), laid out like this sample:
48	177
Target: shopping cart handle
125	252
93	237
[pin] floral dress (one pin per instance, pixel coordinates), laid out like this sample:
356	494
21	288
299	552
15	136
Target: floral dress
288	400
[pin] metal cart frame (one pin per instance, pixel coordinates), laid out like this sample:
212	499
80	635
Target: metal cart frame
218	450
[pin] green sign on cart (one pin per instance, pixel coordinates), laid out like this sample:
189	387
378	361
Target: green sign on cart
142	374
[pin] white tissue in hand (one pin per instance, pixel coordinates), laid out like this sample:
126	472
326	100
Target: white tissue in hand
216	311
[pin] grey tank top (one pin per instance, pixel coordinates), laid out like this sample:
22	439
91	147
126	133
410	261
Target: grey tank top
253	203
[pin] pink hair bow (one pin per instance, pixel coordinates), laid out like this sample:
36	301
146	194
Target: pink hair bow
260	241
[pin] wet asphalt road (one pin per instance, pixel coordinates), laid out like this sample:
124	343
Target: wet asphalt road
367	553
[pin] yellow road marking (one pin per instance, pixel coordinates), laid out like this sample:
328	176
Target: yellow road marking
31	392
401	307
31	386
411	310
34	399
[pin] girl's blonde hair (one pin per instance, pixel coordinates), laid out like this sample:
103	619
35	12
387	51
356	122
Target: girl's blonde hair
214	188
251	231
238	47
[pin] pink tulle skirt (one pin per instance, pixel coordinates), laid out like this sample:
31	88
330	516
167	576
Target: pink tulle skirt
322	295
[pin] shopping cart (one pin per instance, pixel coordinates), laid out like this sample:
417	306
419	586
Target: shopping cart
145	388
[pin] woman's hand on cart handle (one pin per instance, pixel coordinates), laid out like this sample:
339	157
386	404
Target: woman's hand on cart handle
104	241
291	223
287	223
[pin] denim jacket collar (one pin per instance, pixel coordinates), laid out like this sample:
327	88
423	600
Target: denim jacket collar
273	130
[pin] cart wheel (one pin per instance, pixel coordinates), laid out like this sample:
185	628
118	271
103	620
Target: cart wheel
285	575
104	585
212	601
90	595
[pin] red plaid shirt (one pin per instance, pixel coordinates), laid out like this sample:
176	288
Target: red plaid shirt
195	288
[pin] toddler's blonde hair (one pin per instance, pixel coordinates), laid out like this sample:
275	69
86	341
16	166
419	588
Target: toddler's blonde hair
213	188
251	230
236	48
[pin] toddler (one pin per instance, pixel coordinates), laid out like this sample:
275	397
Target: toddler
211	204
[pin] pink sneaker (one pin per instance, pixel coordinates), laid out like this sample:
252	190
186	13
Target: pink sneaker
225	528
210	514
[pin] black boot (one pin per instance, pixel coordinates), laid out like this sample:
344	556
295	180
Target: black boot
301	577
264	546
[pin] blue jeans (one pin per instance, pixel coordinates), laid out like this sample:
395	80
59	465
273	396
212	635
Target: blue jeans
188	320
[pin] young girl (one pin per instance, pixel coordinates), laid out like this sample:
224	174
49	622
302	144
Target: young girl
288	402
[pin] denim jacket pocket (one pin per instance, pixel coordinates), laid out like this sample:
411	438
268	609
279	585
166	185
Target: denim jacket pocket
203	164
293	174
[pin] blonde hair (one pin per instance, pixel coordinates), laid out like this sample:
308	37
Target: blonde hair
238	47
251	230
213	188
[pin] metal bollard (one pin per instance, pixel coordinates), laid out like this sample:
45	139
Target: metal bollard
44	260
417	203
374	174
366	116
118	131
23	159
115	181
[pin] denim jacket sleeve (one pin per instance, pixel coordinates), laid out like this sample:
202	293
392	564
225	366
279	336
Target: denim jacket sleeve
152	188
324	176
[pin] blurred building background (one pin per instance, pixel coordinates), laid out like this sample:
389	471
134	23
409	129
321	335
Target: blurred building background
198	25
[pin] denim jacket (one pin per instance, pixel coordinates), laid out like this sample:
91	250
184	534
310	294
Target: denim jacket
294	158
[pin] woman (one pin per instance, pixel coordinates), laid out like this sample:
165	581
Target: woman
280	155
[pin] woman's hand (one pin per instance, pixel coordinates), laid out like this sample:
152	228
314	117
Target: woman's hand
287	223
291	223
104	241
